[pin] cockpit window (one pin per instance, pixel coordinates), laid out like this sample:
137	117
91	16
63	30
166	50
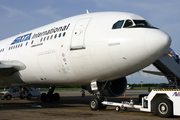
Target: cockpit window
137	24
128	23
132	24
142	23
118	24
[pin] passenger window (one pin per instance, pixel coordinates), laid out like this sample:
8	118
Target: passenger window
32	42
59	34
44	38
128	23
26	43
41	40
118	24
55	36
48	38
51	36
64	34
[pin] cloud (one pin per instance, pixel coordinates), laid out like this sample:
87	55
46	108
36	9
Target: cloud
50	12
11	12
153	8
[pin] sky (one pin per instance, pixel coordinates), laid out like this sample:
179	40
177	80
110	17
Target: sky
22	15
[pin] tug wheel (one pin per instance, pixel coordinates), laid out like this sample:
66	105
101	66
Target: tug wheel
164	108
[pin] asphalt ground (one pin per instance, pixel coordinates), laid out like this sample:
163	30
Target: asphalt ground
72	106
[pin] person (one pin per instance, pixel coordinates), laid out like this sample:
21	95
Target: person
83	93
149	89
177	59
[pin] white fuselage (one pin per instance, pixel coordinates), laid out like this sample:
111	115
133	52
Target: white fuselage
87	50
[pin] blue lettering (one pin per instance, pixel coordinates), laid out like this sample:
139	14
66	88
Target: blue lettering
175	94
22	38
27	37
18	40
14	41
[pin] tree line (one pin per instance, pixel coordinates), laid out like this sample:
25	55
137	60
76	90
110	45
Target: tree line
147	84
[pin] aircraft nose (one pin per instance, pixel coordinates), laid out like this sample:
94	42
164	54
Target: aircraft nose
157	41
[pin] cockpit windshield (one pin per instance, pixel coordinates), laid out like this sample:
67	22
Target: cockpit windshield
128	23
137	23
131	24
142	23
118	24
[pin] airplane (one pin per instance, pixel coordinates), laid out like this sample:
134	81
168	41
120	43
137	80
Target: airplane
94	50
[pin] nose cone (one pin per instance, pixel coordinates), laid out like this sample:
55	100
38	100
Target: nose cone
157	41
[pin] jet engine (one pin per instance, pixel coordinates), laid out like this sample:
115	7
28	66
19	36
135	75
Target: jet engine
110	88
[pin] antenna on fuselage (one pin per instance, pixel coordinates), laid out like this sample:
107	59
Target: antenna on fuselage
87	11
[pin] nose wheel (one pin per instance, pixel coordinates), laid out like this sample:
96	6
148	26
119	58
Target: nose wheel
96	104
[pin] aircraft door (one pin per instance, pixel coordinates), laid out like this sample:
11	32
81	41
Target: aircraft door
77	41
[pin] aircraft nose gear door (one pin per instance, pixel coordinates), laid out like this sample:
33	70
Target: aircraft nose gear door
79	31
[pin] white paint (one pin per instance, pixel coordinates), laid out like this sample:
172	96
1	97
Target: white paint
107	53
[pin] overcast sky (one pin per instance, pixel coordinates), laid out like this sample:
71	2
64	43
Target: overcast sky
22	15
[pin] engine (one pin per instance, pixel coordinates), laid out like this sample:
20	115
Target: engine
111	88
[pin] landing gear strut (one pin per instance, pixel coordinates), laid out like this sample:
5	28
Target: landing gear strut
95	103
49	97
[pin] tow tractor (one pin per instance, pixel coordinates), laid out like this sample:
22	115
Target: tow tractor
164	102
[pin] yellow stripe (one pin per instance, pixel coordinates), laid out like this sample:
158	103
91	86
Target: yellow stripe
167	89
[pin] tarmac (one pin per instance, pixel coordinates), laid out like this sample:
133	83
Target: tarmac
72	106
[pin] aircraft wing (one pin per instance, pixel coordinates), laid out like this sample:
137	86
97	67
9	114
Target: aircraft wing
10	67
153	72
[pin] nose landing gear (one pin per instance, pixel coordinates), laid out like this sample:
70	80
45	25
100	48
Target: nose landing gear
96	103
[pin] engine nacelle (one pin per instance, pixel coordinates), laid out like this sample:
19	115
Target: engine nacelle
111	89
